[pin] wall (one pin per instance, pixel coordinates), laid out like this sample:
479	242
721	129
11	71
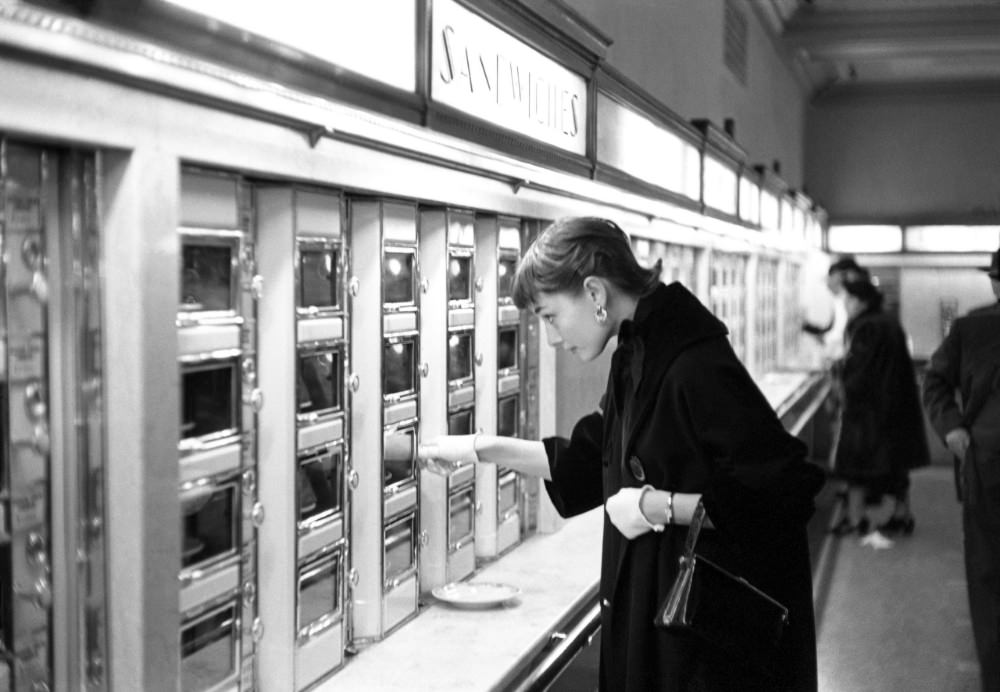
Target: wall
924	289
906	157
674	50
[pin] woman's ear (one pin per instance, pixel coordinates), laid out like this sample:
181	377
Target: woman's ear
596	289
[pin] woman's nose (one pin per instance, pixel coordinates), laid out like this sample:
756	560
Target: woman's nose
552	335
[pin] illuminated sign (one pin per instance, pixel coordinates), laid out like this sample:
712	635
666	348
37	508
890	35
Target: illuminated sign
485	72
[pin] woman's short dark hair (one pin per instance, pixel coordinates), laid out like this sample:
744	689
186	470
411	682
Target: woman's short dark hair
866	292
570	250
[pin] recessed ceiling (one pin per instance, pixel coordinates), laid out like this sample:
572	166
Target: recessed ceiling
845	46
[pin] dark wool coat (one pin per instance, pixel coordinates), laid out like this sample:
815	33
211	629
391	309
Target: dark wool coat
882	433
968	361
681	410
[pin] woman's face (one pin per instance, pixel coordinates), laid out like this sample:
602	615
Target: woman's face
569	322
853	304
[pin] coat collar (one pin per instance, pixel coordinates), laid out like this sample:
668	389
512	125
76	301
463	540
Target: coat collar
666	323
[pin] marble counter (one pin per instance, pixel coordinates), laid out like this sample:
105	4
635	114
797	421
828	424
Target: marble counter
446	648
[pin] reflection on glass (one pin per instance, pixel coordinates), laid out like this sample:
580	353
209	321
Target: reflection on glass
399	550
399	455
460	278
505	278
209	399
208	524
461	510
318	386
318	593
460	422
206	277
398	367
398	277
507	348
318	278
320	485
459	356
507	410
508	493
208	650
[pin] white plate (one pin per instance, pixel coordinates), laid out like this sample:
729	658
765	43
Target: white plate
472	594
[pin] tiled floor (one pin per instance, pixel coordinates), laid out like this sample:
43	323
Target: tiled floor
896	619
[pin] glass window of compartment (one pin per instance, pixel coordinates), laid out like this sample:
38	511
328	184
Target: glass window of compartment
320	485
210	399
319	277
209	649
319	593
399	367
209	273
319	386
399	277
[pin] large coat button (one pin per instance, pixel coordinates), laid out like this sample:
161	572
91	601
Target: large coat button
635	466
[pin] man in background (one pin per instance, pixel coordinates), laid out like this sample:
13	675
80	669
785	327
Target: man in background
967	363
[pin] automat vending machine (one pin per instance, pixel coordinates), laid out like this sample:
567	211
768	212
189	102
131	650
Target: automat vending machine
499	489
321	438
217	336
385	386
448	401
53	622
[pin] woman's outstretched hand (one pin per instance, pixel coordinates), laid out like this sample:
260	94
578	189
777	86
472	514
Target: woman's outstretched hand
449	448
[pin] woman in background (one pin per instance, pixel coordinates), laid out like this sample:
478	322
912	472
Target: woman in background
682	423
882	426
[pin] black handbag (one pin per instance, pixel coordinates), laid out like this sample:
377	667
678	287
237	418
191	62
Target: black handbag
723	609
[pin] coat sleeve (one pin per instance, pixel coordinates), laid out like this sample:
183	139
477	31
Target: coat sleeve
760	484
941	381
576	465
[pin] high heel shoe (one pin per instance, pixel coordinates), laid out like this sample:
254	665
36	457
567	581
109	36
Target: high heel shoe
844	527
900	525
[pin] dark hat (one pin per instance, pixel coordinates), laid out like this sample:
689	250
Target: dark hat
994	269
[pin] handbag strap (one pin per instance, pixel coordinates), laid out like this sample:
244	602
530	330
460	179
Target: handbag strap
697	519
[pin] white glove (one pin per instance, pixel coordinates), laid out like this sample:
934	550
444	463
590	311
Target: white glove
450	448
624	512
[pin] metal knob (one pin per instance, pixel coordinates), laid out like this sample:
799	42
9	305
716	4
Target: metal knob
353	479
353	577
353	286
257	514
424	369
355	383
257	631
257	286
39	593
254	399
